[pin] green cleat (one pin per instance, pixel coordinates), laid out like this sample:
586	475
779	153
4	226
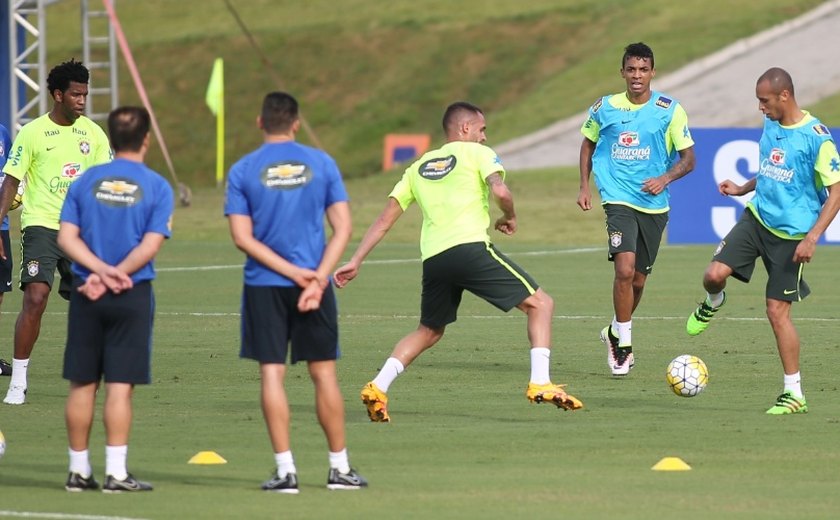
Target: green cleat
787	404
699	320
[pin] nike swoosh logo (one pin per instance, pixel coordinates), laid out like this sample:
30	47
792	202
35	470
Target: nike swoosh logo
50	148
625	122
779	137
786	291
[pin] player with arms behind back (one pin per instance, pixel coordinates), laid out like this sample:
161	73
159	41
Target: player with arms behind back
276	200
49	154
113	223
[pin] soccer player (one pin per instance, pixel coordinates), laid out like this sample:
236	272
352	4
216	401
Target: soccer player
49	153
452	185
5	263
798	165
113	223
636	143
276	200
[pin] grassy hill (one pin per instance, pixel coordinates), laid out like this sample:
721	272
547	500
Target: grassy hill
363	69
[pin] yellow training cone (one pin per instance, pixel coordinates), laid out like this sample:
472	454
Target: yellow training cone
207	457
671	464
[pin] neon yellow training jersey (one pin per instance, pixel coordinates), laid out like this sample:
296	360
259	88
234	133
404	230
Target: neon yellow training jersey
49	157
449	184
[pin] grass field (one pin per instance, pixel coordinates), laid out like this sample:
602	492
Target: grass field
464	442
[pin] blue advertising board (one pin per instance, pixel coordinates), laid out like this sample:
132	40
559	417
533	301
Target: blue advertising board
699	213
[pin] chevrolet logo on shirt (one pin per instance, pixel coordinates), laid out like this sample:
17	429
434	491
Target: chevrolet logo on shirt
438	168
286	175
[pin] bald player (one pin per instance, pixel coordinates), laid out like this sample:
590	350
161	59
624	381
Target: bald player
452	185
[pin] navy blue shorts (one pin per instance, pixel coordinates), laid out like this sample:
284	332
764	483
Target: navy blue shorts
271	321
110	337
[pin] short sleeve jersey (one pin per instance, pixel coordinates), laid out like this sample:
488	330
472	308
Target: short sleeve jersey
796	164
5	148
50	157
635	143
285	188
450	186
115	205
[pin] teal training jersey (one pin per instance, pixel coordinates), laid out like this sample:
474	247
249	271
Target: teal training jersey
635	143
449	184
49	157
796	164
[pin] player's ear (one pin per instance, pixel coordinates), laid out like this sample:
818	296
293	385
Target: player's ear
260	123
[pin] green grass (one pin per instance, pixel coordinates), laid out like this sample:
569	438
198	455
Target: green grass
464	442
369	68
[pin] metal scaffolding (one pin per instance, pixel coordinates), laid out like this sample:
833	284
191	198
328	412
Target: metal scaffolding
27	46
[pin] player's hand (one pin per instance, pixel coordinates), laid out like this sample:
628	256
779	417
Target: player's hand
115	280
302	277
2	251
655	185
584	199
93	288
310	298
344	274
506	225
728	187
805	251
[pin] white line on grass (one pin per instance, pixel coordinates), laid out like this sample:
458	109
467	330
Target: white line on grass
384	262
61	516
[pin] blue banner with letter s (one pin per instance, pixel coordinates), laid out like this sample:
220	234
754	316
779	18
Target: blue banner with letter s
699	213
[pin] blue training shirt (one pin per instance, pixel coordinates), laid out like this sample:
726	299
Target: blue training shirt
114	205
789	190
285	188
5	146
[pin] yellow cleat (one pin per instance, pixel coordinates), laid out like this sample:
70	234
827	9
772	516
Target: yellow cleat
376	402
551	393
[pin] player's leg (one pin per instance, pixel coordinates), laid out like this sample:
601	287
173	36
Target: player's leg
38	264
784	286
126	361
269	347
78	417
734	257
82	367
438	307
374	394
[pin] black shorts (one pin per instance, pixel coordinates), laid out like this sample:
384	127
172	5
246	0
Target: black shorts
110	337
270	321
477	267
7	265
40	256
748	240
630	230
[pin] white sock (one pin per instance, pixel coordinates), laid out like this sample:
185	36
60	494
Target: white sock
793	384
115	461
540	357
285	463
390	370
19	367
625	337
79	462
339	461
715	300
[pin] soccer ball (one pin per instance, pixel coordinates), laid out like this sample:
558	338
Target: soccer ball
687	375
17	201
2	445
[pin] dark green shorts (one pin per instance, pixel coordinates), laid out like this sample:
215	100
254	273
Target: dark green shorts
630	230
749	240
476	267
40	256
